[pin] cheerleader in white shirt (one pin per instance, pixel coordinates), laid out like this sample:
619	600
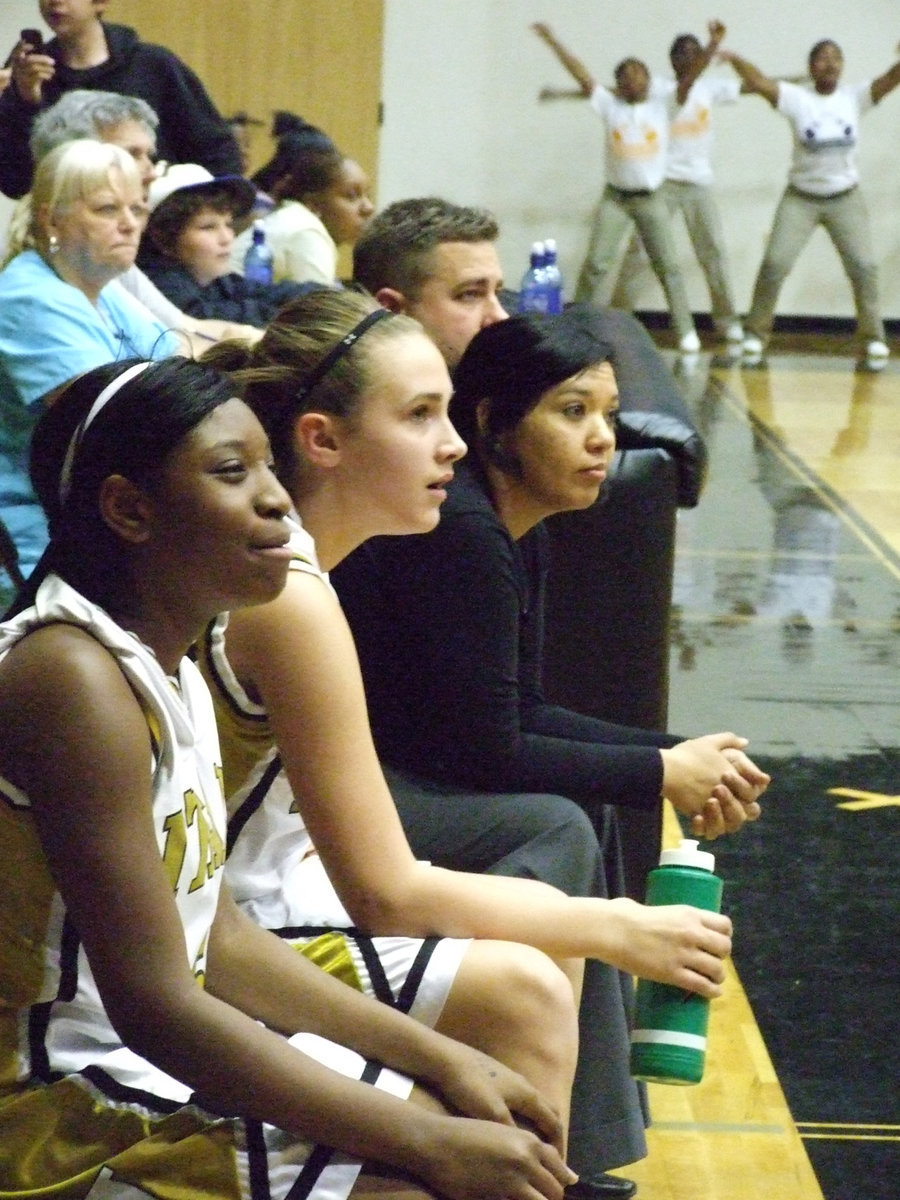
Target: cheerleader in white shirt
822	189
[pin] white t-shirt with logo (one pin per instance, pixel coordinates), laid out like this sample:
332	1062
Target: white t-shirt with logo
826	131
690	133
637	135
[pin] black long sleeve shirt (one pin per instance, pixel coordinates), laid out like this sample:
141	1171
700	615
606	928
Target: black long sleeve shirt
449	628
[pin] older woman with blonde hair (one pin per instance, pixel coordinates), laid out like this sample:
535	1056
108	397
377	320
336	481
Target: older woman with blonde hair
62	311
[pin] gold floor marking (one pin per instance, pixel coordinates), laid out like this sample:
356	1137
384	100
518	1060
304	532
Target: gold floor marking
849	1132
864	800
731	1137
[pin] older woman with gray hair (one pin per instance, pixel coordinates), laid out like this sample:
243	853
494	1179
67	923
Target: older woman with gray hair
130	123
62	309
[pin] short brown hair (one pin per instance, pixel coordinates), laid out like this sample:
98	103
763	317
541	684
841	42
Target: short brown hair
395	248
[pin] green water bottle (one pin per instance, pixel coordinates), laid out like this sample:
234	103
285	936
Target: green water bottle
668	1041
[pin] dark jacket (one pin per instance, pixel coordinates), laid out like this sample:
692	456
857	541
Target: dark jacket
229	298
190	128
449	629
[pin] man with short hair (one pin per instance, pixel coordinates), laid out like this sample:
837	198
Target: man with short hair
87	53
437	262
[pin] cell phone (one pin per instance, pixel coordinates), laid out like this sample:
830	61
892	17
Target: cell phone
34	38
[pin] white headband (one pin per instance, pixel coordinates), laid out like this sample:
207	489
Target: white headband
65	477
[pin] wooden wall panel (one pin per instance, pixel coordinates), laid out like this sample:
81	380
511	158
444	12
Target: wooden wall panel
319	58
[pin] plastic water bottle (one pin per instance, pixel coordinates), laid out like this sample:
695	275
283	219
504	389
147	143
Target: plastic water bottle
258	259
668	1042
553	279
533	295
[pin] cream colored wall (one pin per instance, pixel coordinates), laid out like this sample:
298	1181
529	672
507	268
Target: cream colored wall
461	119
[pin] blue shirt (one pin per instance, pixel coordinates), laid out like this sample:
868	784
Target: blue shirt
49	333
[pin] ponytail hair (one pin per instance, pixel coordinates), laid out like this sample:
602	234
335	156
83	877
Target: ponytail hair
313	357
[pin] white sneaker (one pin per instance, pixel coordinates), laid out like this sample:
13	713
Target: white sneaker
752	345
877	349
690	343
734	332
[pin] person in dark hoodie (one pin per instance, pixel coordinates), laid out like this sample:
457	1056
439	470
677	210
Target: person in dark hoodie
187	243
88	53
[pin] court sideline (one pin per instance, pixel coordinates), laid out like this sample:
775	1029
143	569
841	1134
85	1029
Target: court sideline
786	626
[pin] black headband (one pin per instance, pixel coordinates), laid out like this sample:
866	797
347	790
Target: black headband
337	352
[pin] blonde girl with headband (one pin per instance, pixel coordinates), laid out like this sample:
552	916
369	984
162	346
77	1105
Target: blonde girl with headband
355	404
355	399
156	1041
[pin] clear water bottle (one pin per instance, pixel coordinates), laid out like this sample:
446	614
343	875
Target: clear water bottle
668	1041
258	259
552	277
533	295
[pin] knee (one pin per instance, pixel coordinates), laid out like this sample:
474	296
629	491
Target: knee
773	270
863	273
535	998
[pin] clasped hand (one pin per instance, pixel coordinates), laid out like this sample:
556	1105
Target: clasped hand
714	783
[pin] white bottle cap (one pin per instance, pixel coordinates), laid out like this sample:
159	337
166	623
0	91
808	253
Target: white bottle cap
550	244
688	854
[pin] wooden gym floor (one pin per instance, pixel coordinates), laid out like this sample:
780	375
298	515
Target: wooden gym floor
786	628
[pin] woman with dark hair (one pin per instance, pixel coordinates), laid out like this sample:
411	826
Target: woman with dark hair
822	189
449	629
321	202
155	1039
459	698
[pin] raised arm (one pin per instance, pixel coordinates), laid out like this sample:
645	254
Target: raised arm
752	78
886	83
699	64
19	104
573	65
554	93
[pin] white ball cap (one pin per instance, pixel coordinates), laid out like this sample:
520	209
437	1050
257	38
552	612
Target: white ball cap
176	177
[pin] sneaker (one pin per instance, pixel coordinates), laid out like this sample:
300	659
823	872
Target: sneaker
877	349
752	345
734	332
690	343
872	364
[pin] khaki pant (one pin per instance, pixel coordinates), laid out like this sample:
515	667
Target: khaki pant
846	220
616	213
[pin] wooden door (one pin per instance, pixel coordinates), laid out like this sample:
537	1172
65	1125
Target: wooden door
318	58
